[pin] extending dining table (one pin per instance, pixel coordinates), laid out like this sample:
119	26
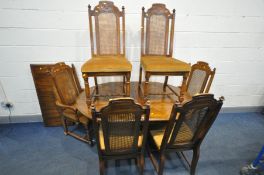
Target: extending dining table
160	102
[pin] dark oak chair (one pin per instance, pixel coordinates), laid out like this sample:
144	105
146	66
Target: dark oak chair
66	90
121	129
186	129
157	47
108	49
199	80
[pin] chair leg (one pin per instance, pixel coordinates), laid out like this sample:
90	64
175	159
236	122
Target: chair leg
102	166
165	83
142	163
64	124
128	84
140	76
146	84
161	164
96	85
124	84
87	89
196	153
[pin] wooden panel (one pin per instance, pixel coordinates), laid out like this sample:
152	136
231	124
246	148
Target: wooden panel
44	87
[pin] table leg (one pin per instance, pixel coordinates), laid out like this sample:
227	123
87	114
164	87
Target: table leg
87	89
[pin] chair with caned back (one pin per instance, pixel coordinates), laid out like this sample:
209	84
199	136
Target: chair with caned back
120	130
199	79
157	35
107	35
66	90
186	129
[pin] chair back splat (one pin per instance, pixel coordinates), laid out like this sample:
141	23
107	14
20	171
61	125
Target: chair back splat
106	23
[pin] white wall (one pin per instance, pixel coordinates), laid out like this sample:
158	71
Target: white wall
229	34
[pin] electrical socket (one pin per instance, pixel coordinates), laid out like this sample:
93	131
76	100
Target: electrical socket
6	104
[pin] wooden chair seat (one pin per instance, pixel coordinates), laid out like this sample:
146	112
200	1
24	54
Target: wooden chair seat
102	144
184	136
101	64
163	64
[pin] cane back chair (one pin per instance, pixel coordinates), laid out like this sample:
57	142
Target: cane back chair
66	90
157	47
199	79
108	56
186	129
121	129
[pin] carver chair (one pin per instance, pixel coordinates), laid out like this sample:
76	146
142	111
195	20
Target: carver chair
108	49
186	129
121	129
199	79
66	90
157	35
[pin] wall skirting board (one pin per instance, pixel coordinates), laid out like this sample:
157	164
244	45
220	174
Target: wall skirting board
38	118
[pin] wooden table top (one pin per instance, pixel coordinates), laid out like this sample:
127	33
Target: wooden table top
160	105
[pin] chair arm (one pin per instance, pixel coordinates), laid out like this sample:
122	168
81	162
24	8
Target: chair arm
63	107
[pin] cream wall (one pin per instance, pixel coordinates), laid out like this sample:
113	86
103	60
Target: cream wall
229	34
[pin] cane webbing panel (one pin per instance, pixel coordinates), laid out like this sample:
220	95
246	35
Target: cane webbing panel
108	39
157	34
192	121
66	84
196	82
121	129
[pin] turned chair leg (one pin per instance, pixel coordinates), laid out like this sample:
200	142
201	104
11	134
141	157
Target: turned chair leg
87	89
102	166
161	164
165	83
128	84
147	76
142	164
64	124
140	76
196	153
96	85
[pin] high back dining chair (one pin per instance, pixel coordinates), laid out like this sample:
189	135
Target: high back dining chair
186	129
121	129
157	35
199	79
107	35
66	90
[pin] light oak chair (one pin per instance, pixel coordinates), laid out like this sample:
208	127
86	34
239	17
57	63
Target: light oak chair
199	80
157	47
186	129
66	90
107	26
121	129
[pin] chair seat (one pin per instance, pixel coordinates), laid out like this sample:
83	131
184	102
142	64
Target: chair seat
71	115
107	64
102	145
163	64
185	135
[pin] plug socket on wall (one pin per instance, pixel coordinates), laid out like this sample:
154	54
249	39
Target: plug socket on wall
7	104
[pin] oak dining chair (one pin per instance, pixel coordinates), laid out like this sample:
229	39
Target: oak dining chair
186	129
66	90
157	39
120	130
107	38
